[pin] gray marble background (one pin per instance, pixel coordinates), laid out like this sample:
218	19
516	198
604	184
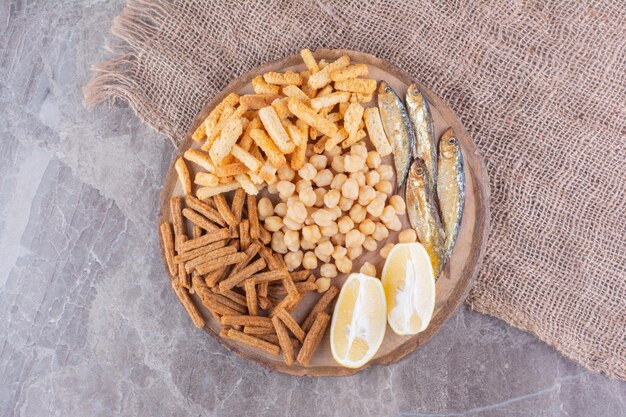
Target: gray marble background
87	325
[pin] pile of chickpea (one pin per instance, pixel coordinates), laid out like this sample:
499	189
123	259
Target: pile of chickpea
331	210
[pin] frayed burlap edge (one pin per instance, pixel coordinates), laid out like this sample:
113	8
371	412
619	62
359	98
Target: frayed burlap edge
114	80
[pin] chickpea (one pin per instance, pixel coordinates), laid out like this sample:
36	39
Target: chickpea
345	224
370	244
376	207
273	223
325	259
280	209
345	203
388	214
339	239
336	212
307	172
318	161
324	249
398	204
355	252
285	173
337	164
322	285
385	171
395	224
359	149
291	200
312	233
373	159
308	197
330	230
407	236
384	252
265	208
306	245
350	189
367	227
303	185
278	242
381	232
359	177
372	178
339	252
319	197
366	195
297	211
384	186
368	269
328	271
338	181
358	213
309	261
331	199
271	188
285	189
293	260
354	238
292	224
322	217
353	163
323	178
292	240
344	265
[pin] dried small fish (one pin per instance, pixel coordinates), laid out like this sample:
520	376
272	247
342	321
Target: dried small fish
423	215
398	129
425	146
450	187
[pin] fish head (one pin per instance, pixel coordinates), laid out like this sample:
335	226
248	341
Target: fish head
449	146
384	88
414	96
418	172
387	98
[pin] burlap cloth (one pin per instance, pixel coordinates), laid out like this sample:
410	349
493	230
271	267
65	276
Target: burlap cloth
541	87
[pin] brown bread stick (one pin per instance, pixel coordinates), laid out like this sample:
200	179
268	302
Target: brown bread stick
168	247
253	342
206	208
320	306
186	301
283	340
313	338
204	240
199	220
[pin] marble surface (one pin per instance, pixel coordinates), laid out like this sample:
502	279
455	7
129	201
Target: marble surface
88	325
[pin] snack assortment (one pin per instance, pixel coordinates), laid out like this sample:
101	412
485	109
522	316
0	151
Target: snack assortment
327	198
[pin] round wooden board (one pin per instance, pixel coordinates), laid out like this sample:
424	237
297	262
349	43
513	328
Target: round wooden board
459	273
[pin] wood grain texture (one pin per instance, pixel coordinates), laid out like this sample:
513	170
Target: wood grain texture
459	273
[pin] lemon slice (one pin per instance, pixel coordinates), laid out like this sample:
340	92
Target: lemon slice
359	321
409	285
